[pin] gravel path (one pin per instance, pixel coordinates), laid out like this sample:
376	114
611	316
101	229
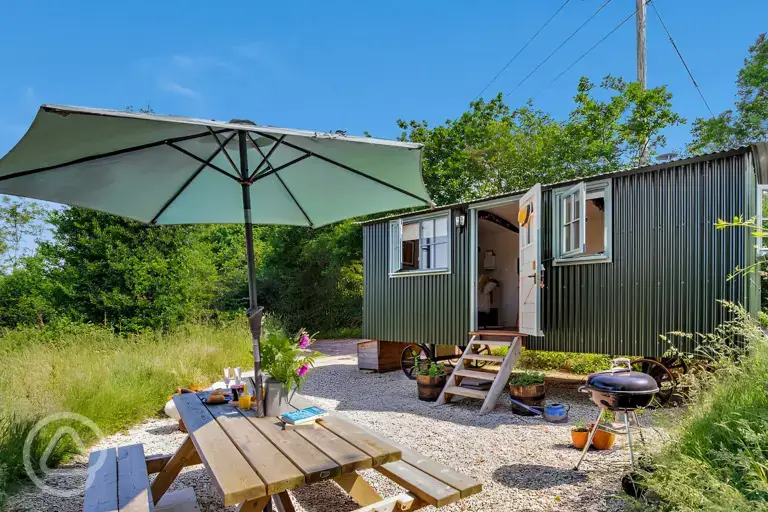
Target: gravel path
524	463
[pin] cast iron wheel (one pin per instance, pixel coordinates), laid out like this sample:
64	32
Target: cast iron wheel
663	377
411	356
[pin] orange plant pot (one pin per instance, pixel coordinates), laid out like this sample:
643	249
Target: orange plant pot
579	439
603	440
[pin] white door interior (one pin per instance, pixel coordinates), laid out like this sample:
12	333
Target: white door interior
530	262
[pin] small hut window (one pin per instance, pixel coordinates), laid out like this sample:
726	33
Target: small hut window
419	245
762	218
582	223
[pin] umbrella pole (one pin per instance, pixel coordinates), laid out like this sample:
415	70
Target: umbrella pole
254	310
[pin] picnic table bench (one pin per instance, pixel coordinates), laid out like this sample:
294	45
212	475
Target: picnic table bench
118	481
251	459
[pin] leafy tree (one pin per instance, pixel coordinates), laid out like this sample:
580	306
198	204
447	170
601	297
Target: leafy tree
20	220
312	278
27	294
491	150
128	275
749	122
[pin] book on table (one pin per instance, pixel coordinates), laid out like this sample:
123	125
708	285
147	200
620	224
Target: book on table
303	416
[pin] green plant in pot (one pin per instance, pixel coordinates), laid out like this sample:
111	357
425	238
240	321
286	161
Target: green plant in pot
286	362
579	433
528	388
430	380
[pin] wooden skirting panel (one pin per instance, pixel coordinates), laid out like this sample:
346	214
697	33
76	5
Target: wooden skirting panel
380	356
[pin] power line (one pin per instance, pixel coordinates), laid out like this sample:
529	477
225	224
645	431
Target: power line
559	47
658	15
606	36
521	49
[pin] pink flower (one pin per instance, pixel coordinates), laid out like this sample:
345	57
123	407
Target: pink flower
303	370
305	341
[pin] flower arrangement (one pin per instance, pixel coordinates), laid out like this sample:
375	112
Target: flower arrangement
284	359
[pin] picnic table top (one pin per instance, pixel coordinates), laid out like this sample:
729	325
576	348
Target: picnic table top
249	457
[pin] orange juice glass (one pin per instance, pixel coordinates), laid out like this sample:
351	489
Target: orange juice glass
244	401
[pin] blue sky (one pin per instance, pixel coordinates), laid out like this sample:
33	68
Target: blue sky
349	65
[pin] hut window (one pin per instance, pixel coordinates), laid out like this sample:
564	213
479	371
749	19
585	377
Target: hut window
419	245
762	218
582	223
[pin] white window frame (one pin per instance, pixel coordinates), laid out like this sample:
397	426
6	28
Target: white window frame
396	243
762	249
586	191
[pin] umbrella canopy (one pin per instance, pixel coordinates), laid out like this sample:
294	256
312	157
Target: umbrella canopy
175	170
153	169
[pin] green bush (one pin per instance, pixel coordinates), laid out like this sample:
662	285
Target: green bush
525	378
718	457
572	362
113	380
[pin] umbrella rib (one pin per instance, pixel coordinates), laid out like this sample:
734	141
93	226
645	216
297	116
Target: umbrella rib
265	158
106	155
208	164
280	167
190	180
216	137
295	201
345	167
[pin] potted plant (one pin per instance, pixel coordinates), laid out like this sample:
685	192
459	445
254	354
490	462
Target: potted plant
528	388
287	366
579	433
430	381
603	440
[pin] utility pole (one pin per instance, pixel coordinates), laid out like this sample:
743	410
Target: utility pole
641	72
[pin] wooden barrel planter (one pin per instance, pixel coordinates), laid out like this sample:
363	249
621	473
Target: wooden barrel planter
429	388
532	396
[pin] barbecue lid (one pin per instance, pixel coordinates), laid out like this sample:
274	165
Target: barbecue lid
622	381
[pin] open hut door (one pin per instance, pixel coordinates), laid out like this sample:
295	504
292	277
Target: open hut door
531	268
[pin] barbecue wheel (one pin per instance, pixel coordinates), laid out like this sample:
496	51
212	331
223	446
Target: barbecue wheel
413	357
664	378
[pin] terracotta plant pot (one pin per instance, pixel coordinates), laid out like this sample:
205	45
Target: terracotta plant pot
429	388
602	440
579	438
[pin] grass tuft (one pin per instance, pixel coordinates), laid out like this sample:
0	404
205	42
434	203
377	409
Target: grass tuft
116	381
717	459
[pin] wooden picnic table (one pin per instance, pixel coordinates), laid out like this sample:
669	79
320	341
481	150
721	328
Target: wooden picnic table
251	459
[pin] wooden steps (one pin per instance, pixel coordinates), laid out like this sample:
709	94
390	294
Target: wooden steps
498	377
493	343
468	392
483	357
475	374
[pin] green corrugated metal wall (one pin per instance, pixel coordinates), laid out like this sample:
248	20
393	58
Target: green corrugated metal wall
421	309
669	267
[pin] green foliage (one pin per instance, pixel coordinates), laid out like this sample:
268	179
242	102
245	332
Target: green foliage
580	425
282	357
121	273
526	378
491	149
114	380
749	122
27	295
571	362
21	220
313	277
718	456
432	370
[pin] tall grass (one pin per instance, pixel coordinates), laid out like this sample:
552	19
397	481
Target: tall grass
113	380
718	457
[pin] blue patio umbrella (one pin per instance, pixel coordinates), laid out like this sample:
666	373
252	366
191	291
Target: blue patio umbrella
175	170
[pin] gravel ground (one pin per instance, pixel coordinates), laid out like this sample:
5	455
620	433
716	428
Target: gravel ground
524	463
